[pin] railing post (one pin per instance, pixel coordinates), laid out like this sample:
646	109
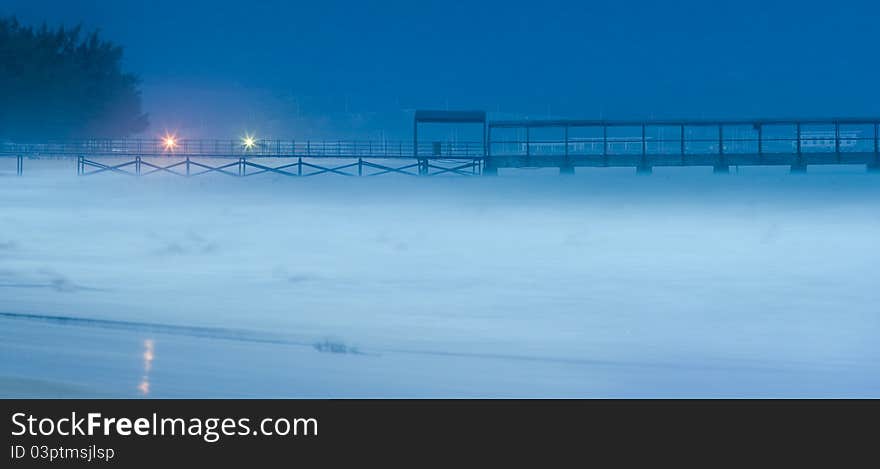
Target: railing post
760	141
528	142
485	139
799	166
487	150
137	165
643	167
299	166
487	168
681	143
360	166
605	144
837	140
187	165
19	165
877	139
875	166
566	144
644	145
721	166
567	167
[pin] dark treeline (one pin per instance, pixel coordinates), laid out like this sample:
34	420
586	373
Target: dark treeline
61	83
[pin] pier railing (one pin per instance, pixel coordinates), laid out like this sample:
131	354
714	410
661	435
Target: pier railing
188	166
643	144
237	148
682	137
565	144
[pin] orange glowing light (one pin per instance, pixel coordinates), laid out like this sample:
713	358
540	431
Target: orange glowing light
170	142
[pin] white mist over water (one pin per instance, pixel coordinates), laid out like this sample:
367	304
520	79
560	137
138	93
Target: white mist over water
682	283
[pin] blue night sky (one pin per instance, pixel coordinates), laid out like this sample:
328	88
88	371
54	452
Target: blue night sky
358	69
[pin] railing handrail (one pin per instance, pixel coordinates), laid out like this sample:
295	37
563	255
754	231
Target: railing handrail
261	147
678	122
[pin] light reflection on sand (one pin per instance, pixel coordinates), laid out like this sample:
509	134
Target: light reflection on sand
144	386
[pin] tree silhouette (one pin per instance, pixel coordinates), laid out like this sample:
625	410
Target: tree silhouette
57	84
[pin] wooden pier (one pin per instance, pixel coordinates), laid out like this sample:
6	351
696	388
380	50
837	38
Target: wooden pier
563	144
719	144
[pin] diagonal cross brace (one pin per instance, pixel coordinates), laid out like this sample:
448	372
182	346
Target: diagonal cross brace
163	168
212	169
269	169
388	169
103	167
336	170
456	170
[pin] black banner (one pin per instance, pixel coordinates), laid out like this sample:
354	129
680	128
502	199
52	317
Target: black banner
269	433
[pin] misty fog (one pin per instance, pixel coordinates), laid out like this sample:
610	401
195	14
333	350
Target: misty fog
682	283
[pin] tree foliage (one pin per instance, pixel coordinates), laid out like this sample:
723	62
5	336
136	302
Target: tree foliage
61	83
